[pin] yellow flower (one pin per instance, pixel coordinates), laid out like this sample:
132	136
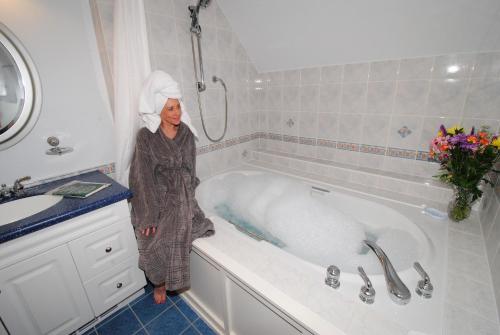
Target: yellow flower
454	130
496	142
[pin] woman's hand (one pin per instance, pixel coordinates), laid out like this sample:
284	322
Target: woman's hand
148	231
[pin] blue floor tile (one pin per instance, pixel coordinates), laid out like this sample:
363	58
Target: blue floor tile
123	323
186	310
91	331
204	328
174	296
191	331
141	332
146	309
149	287
171	322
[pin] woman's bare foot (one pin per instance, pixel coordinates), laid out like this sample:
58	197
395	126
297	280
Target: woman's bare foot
160	294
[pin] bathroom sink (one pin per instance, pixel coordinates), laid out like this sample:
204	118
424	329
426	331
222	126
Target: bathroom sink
22	208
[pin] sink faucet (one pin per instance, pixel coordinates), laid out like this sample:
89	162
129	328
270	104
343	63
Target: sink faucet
14	191
18	187
398	291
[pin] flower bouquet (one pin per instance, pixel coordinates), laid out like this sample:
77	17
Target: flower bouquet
465	159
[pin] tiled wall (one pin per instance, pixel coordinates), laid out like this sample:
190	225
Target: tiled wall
374	114
170	50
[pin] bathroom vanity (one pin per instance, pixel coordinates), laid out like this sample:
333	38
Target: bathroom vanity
70	264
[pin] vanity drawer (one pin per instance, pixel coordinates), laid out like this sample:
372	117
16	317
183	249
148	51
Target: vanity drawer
101	250
114	285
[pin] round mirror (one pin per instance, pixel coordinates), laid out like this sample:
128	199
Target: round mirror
20	91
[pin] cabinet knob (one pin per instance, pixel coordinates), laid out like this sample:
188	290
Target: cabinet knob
119	285
108	249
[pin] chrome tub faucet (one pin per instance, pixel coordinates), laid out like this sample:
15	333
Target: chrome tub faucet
398	291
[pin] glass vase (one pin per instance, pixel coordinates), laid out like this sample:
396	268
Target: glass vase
460	206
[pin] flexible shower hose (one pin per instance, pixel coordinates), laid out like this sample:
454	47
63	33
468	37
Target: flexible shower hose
214	79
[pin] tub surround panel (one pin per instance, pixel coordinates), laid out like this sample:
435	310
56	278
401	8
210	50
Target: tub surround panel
67	208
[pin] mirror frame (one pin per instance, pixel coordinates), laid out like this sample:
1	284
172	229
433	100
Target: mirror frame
32	87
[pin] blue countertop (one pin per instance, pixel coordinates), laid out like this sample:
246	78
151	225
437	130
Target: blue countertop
67	208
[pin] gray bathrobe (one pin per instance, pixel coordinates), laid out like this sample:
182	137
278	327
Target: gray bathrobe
162	180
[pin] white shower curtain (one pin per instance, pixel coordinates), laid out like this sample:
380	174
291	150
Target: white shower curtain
131	66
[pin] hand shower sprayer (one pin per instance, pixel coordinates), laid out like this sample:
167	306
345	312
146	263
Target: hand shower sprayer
200	83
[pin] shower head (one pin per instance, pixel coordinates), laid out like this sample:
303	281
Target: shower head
203	3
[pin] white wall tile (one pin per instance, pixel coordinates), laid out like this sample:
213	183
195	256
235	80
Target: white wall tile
310	76
291	77
354	98
291	98
327	126
411	97
309	98
333	73
350	126
308	124
487	65
375	130
416	68
453	66
382	71
274	99
276	78
447	97
483	99
274	122
411	141
330	98
356	72
162	34
290	127
380	97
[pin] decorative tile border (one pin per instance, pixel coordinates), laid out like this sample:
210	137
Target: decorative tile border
372	149
307	141
348	146
401	153
326	143
425	156
290	139
276	137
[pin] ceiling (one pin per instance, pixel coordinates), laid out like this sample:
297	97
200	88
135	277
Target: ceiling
291	34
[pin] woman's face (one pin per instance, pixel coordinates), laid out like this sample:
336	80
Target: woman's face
171	112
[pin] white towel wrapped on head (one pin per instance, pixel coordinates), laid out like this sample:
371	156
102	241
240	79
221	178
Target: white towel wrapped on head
157	89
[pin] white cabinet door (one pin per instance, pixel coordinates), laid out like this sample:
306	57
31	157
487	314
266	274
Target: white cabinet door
100	251
114	285
43	295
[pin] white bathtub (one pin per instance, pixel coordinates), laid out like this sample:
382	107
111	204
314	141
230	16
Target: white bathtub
230	265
